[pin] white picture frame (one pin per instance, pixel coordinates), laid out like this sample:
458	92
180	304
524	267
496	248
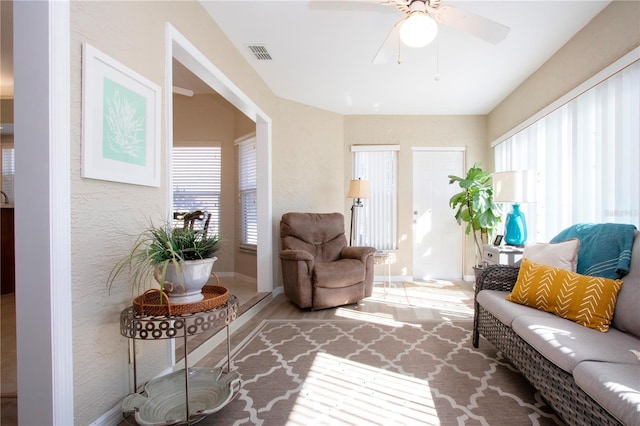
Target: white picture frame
120	122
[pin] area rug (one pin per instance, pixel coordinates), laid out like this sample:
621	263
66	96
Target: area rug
352	372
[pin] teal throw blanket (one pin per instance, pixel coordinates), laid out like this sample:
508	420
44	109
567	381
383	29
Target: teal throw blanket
605	248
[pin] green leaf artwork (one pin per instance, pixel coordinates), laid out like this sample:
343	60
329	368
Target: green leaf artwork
124	124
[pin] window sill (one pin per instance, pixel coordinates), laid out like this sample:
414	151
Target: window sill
247	248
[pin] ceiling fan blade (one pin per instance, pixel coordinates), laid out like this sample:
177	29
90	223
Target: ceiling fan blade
352	5
390	48
461	20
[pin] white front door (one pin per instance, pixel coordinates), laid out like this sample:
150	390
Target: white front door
437	237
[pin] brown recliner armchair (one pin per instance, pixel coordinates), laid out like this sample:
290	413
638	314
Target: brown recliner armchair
319	270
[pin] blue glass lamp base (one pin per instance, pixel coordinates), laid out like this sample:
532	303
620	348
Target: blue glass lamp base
515	228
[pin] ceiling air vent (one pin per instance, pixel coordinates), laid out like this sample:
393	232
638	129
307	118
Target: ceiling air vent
260	52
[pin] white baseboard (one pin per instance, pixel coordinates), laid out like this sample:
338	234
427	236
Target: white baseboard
402	278
112	417
247	278
394	278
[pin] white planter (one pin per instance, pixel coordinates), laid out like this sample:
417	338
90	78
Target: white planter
184	284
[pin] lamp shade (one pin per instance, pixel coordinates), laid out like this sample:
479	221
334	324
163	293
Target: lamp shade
514	186
418	30
359	188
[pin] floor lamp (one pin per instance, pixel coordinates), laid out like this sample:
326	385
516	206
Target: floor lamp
358	189
514	187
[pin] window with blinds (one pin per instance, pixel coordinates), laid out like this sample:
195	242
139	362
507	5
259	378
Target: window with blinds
586	156
247	194
377	224
197	181
8	172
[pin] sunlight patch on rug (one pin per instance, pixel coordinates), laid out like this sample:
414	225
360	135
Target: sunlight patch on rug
342	390
373	317
448	299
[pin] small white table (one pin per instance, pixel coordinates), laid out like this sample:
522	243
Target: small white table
501	255
385	258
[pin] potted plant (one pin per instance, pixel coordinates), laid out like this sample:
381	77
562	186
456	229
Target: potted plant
474	205
180	259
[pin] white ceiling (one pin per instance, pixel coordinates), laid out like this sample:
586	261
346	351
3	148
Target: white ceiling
323	50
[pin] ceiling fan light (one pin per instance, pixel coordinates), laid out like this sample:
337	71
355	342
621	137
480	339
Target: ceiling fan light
418	30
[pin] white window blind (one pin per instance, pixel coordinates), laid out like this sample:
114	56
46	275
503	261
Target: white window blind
197	181
247	193
8	172
377	220
586	155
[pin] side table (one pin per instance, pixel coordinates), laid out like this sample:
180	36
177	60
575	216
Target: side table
501	255
146	327
385	258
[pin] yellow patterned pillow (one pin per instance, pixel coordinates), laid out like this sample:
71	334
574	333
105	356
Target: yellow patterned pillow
587	300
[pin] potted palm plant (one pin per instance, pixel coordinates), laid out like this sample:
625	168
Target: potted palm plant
180	259
474	205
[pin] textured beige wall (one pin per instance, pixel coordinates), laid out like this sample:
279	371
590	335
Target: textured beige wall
610	35
243	125
6	110
105	215
415	131
307	150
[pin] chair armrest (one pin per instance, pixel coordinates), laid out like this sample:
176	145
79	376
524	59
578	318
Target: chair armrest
498	277
296	255
360	253
494	277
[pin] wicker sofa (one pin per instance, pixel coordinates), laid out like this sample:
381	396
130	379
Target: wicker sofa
588	377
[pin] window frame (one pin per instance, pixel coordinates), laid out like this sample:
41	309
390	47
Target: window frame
197	195
247	187
380	230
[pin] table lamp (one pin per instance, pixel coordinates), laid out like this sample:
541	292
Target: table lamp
514	187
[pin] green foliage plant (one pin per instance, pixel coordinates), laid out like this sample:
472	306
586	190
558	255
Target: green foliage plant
474	205
158	247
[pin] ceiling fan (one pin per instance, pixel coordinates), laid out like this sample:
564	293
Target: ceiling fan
420	25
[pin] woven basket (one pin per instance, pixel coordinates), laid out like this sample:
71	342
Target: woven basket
156	303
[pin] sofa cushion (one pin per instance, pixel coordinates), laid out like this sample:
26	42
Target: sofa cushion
341	273
560	255
494	301
627	314
567	343
616	387
589	301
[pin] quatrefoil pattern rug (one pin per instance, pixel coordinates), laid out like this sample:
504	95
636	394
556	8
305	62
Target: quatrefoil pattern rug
372	372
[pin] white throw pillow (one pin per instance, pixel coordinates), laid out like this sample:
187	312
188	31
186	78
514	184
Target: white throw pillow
559	255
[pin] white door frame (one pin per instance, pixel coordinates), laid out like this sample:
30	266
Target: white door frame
42	212
178	47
